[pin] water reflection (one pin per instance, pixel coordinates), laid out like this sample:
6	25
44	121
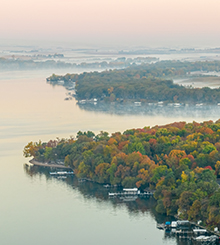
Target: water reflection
153	109
91	190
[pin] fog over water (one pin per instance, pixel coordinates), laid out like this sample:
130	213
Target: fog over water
38	209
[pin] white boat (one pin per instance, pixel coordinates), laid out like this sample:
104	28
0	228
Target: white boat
173	224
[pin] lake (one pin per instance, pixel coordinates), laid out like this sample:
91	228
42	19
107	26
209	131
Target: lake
38	209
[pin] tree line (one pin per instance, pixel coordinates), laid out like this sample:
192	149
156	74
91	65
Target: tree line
30	64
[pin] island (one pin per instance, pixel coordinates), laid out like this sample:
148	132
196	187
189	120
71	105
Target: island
179	162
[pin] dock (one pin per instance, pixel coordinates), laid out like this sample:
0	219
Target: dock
130	192
184	229
200	227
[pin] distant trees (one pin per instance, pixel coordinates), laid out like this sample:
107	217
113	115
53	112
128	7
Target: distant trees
147	82
30	64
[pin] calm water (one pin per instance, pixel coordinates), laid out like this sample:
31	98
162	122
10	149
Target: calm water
37	209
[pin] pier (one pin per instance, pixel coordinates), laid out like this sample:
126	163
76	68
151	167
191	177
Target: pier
130	192
184	229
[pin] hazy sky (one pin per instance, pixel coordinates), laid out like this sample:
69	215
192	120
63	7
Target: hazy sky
113	22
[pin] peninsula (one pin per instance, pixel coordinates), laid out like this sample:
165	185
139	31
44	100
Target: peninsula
146	83
179	161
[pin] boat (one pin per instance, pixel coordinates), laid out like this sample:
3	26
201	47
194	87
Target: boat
173	224
160	226
167	226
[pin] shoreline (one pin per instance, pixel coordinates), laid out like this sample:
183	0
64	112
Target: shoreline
200	226
37	163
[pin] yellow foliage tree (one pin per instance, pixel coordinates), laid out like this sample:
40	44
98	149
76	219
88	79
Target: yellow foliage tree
184	177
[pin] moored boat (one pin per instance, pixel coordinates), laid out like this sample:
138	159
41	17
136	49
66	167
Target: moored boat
160	226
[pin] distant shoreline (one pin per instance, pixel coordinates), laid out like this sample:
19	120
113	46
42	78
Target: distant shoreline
35	162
